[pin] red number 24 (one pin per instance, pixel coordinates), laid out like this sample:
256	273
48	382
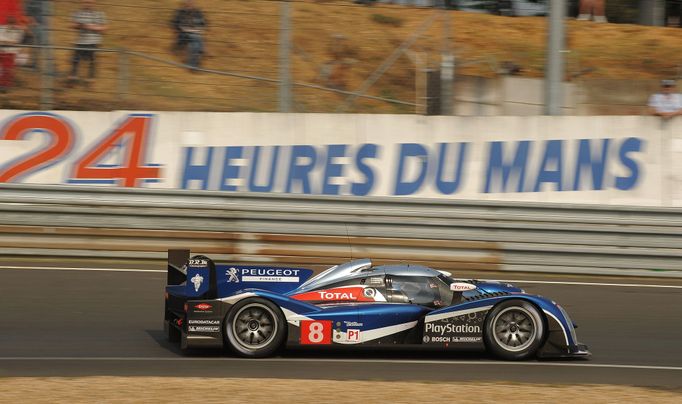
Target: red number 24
130	136
129	139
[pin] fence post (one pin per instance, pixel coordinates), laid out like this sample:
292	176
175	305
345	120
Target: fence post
447	65
554	71
284	50
123	73
47	58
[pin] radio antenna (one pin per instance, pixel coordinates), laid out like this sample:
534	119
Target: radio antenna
350	245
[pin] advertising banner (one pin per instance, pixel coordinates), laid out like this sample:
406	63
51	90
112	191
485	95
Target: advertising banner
624	160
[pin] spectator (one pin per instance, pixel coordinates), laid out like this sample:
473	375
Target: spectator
9	8
666	104
34	33
10	34
90	25
189	24
592	9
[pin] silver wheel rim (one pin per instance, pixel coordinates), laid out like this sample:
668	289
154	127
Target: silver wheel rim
514	329
254	326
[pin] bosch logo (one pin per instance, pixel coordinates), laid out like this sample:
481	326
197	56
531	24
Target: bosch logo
203	306
369	292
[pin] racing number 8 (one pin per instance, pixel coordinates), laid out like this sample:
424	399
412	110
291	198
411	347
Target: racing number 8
316	332
315	335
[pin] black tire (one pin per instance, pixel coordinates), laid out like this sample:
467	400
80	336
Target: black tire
172	333
255	328
514	330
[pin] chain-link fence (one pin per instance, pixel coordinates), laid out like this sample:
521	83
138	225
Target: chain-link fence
137	66
333	56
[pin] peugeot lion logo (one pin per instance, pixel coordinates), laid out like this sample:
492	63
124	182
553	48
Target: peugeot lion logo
232	272
197	280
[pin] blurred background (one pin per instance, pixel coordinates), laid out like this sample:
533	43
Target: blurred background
466	57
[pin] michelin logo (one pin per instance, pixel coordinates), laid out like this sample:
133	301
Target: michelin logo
204	328
443	329
197	281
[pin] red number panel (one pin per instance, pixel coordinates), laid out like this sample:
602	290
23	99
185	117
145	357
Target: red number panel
316	332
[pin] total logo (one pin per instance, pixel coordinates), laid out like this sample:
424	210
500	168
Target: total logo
348	294
461	286
448	328
324	295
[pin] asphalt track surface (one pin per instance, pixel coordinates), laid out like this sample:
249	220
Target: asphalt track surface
80	323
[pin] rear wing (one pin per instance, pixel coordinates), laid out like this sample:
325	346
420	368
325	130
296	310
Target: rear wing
177	271
204	279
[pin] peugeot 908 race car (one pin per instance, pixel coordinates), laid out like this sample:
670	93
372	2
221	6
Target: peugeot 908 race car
256	310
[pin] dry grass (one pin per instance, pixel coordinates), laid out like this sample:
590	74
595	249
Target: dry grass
244	34
156	389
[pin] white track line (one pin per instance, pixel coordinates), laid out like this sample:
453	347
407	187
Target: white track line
631	285
389	361
82	269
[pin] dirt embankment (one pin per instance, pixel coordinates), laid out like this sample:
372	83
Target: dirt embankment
158	389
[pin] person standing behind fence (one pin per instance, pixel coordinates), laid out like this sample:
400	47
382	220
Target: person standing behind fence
592	9
189	24
90	24
10	34
33	9
667	104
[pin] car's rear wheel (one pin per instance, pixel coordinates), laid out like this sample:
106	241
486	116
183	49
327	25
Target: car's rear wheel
514	330
172	333
255	328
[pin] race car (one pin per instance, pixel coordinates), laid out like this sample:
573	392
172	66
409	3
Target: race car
257	310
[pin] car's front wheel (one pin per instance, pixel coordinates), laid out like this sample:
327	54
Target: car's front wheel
514	330
255	328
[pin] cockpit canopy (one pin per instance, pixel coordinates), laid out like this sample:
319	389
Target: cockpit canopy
337	273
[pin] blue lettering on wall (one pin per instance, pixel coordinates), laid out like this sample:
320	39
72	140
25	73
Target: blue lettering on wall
230	171
408	151
366	151
300	172
255	161
333	170
200	172
445	168
595	164
630	145
444	186
499	172
552	165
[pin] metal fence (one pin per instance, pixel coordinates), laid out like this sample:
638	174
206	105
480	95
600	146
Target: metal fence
304	56
141	224
286	62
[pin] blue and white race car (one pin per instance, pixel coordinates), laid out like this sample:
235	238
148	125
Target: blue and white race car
258	310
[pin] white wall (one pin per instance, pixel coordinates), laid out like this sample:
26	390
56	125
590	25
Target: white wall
642	166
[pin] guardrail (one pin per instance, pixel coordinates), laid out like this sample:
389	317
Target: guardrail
92	222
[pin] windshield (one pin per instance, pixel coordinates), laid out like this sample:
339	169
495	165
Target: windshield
335	274
422	290
318	276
